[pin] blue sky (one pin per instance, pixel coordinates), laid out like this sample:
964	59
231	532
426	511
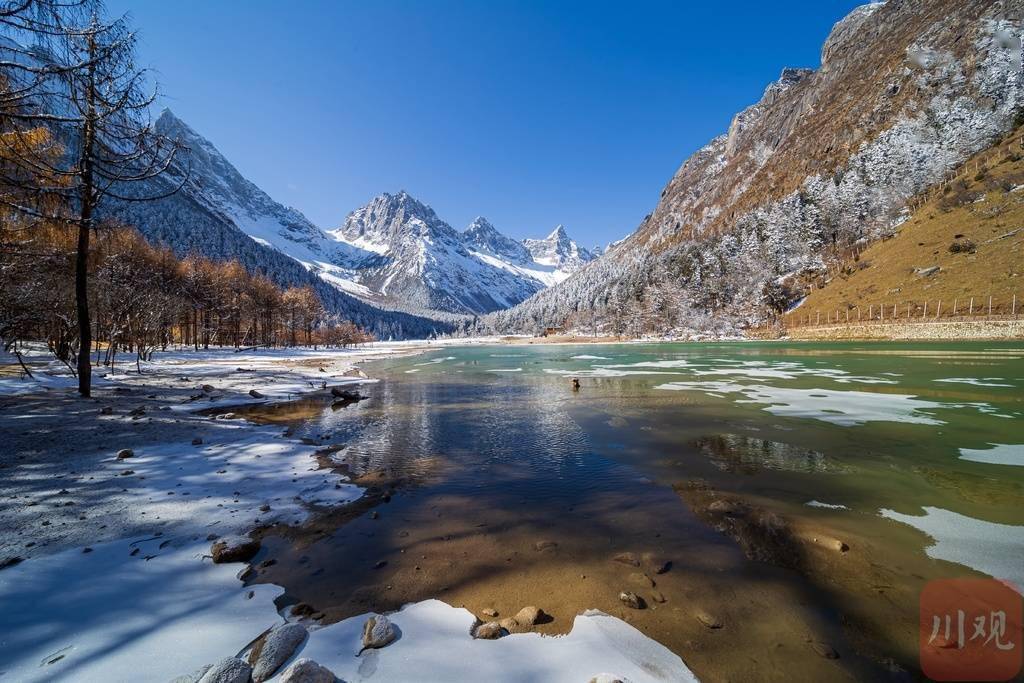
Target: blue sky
529	113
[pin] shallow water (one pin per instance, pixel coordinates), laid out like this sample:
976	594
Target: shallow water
909	454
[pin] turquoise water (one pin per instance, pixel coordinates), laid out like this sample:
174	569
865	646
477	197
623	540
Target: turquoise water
912	454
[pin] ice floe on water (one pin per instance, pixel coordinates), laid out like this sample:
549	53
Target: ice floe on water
828	506
678	363
602	372
435	361
998	454
845	408
976	381
988	547
755	369
757	373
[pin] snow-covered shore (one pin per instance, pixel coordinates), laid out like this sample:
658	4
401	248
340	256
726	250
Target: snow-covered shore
107	570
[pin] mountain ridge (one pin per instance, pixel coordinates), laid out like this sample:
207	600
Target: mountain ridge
824	160
393	252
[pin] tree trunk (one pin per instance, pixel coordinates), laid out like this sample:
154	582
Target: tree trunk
82	306
88	199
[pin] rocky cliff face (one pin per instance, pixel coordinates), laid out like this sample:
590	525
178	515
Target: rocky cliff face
827	158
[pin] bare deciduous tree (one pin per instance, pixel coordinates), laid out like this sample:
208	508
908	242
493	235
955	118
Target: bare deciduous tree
87	92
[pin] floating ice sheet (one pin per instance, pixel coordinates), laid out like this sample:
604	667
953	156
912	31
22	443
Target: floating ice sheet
998	454
988	547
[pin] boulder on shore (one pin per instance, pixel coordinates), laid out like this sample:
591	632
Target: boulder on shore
307	671
234	549
378	631
491	630
228	670
275	649
529	615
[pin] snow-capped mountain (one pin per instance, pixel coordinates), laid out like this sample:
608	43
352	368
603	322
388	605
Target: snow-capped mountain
394	252
225	190
548	261
558	250
484	238
425	263
421	261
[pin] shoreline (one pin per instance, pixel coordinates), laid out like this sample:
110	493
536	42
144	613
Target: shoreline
197	474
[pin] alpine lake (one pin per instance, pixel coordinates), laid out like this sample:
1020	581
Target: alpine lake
776	507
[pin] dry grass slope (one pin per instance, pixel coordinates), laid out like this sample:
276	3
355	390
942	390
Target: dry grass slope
971	229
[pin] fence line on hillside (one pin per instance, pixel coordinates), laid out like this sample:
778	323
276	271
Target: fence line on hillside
956	309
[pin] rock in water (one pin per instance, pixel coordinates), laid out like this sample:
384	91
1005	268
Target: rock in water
528	616
125	453
255	394
627	559
307	671
208	388
346	394
276	648
631	599
377	632
490	631
657	563
641	579
235	549
228	670
708	619
825	650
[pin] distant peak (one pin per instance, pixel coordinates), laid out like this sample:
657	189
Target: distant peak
558	233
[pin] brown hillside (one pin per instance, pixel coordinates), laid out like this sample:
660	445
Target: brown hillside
971	228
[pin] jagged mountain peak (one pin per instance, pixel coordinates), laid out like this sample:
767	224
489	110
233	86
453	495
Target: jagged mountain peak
483	237
388	217
558	233
558	249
